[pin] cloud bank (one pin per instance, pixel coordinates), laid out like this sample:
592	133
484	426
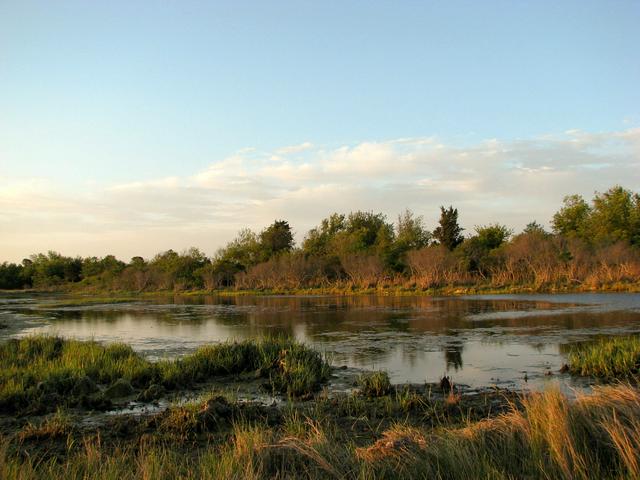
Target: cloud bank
511	182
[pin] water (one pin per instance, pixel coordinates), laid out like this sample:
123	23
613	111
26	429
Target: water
512	341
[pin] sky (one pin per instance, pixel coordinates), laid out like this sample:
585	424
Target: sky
131	127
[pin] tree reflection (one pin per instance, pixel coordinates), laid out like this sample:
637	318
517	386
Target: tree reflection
453	356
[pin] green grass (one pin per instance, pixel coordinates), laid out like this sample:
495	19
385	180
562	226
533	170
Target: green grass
544	436
39	373
609	358
374	384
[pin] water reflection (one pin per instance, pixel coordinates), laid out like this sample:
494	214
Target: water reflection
477	340
453	356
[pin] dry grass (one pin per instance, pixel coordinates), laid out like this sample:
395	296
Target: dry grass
545	436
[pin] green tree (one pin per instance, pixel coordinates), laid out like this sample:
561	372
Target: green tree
319	239
367	230
492	236
356	233
137	262
573	218
276	238
366	233
448	233
11	276
243	251
411	233
179	270
340	236
94	266
55	269
535	228
615	216
478	250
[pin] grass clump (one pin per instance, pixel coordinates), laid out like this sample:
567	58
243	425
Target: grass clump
374	384
607	358
57	425
298	371
39	373
291	368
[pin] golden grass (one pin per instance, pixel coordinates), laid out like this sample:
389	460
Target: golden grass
545	436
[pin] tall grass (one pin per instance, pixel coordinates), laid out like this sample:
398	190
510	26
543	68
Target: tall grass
374	384
43	372
607	358
545	436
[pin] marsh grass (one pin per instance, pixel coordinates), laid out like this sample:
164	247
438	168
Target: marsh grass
374	384
56	425
39	373
606	358
546	435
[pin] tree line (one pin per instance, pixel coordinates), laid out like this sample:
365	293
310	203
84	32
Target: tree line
591	245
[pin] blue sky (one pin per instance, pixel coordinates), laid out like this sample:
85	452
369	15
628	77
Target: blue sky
150	98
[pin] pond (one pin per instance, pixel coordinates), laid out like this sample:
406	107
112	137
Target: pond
512	341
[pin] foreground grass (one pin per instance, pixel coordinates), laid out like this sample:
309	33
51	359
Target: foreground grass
607	358
380	431
40	373
544	436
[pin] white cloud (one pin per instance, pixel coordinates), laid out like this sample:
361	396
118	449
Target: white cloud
291	149
513	182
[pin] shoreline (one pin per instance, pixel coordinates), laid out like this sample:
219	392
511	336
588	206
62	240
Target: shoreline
451	291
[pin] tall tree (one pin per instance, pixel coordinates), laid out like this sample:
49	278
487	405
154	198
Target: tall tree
243	251
478	251
276	238
535	228
318	240
448	232
571	220
411	233
615	216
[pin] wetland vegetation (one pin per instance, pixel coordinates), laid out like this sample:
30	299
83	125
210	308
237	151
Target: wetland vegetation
376	431
608	358
41	373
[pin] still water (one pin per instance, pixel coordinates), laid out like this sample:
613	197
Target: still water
477	340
